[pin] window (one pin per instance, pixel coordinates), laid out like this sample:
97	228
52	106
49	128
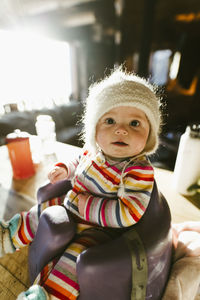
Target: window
160	63
34	71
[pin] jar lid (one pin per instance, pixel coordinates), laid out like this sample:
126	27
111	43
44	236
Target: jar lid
16	136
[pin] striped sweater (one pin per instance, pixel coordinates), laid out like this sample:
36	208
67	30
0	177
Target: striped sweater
119	192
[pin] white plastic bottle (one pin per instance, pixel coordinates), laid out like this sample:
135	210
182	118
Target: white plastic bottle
187	166
45	128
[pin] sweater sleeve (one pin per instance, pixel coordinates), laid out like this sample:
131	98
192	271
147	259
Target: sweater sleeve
70	166
130	204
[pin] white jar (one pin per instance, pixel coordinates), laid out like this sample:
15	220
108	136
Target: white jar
187	166
45	128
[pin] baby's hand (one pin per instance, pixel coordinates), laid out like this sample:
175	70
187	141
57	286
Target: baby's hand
57	173
82	198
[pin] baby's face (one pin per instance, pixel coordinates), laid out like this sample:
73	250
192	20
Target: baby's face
122	132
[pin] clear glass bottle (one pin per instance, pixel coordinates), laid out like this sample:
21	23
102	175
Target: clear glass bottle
45	128
187	166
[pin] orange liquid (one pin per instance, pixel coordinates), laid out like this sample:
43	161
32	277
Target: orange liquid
21	159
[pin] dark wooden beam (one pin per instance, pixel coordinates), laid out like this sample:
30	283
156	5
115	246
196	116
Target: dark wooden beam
146	36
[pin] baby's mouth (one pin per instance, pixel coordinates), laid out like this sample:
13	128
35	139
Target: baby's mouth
119	143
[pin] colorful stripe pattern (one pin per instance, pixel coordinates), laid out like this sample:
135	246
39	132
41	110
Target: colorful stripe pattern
119	192
25	225
62	281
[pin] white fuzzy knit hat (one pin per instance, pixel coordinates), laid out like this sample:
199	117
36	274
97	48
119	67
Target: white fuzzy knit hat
122	89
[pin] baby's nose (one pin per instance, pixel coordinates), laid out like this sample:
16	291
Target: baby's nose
121	131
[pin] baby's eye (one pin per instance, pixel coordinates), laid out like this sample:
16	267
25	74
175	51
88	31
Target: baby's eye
109	121
135	123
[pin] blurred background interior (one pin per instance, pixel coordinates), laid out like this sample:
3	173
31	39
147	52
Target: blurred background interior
52	50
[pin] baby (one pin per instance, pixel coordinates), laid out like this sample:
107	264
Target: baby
112	179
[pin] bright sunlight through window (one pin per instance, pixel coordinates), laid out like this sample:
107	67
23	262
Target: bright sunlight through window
34	71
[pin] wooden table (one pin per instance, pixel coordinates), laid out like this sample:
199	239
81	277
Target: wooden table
27	188
181	208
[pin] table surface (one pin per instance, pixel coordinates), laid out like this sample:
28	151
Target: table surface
181	208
